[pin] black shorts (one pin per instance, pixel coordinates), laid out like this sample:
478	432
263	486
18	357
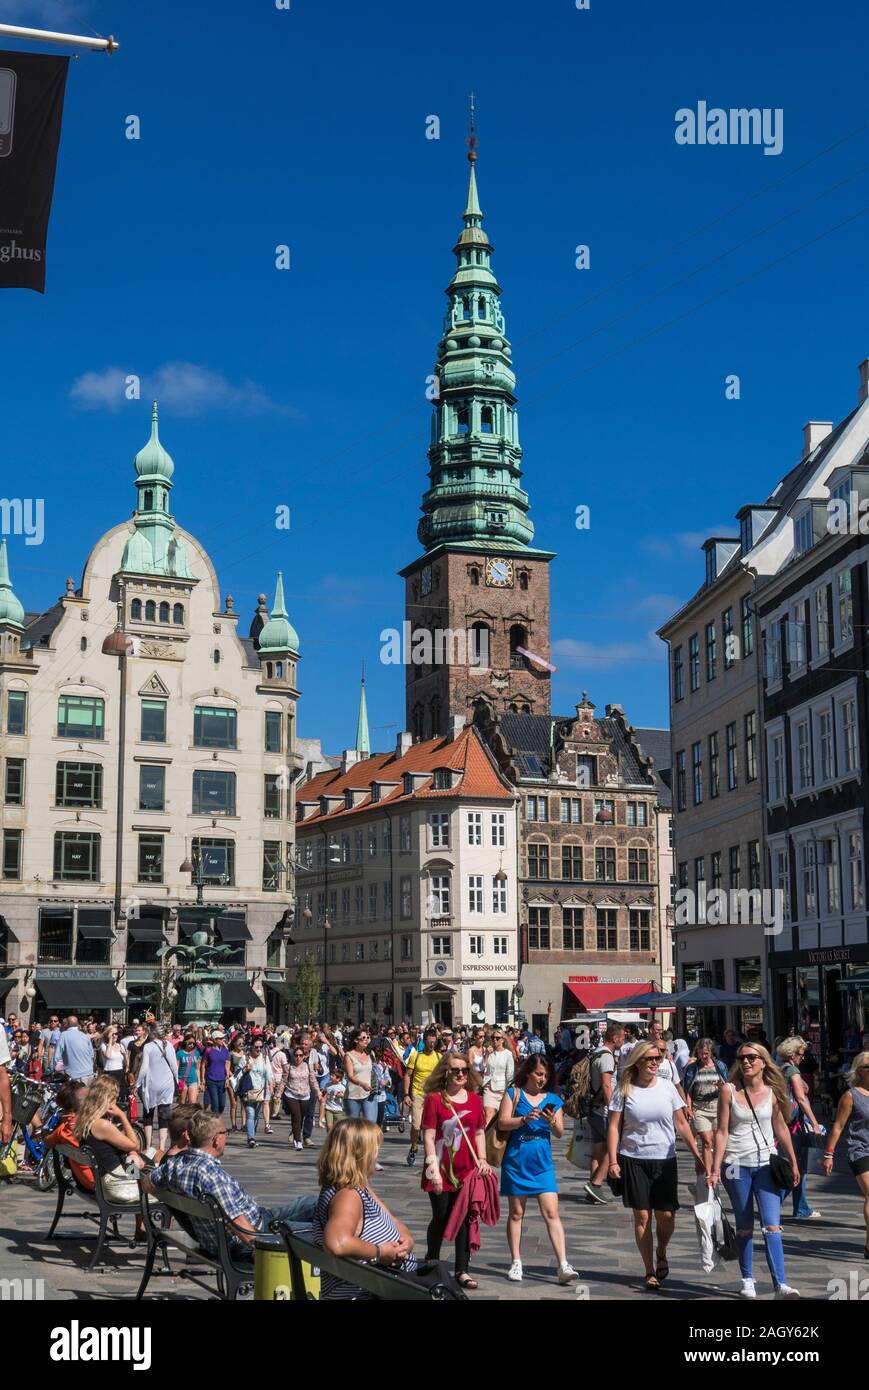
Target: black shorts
859	1165
598	1125
159	1116
651	1184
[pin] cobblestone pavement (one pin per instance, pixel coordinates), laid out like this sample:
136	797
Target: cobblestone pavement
599	1239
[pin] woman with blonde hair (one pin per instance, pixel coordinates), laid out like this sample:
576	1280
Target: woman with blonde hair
454	1138
499	1068
95	1125
853	1111
791	1052
753	1111
350	1219
645	1113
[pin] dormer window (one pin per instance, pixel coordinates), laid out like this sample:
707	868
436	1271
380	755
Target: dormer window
375	791
408	784
745	540
443	779
710	565
803	532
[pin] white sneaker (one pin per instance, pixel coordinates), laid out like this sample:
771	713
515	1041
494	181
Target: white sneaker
515	1272
566	1273
297	1144
748	1290
785	1291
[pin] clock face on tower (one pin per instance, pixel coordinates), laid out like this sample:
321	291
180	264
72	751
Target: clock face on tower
425	578
499	574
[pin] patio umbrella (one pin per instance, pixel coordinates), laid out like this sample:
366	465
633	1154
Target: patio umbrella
706	997
649	999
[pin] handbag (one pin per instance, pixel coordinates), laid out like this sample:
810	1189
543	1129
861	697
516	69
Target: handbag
617	1185
497	1139
727	1249
779	1166
244	1086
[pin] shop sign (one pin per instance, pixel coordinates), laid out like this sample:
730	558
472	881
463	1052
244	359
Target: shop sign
830	955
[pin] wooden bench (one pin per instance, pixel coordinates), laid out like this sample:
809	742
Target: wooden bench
107	1210
232	1268
382	1283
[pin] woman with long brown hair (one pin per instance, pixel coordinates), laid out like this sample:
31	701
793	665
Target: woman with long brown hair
111	1146
753	1114
454	1140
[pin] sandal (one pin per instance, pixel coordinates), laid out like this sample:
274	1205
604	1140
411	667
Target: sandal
269	1130
650	1284
465	1281
662	1268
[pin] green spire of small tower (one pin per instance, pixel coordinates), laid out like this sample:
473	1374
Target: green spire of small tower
278	637
153	548
11	610
363	739
475	501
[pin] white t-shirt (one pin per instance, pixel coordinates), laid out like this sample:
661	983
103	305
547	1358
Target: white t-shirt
648	1130
667	1071
623	1054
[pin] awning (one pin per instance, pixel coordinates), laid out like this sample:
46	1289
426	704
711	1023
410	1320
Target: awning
232	929
280	987
145	931
5	985
97	931
593	998
237	994
80	994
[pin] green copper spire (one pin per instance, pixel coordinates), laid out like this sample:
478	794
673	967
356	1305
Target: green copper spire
278	636
11	611
153	547
475	501
363	740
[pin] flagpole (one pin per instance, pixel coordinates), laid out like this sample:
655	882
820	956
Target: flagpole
15	31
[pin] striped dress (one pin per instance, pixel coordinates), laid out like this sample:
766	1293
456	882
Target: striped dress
377	1227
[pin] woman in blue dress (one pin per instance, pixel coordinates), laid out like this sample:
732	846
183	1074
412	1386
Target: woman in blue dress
531	1112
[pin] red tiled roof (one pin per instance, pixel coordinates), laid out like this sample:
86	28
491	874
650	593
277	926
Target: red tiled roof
465	754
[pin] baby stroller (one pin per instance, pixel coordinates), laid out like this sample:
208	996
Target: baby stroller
393	1114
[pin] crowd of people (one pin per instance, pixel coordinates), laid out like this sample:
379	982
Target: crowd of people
151	1105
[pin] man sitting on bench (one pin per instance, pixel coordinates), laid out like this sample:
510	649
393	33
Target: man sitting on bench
198	1173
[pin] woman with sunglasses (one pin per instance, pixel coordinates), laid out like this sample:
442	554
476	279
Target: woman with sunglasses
498	1072
452	1120
853	1111
645	1114
753	1111
359	1069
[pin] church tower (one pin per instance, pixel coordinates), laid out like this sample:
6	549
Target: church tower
479	579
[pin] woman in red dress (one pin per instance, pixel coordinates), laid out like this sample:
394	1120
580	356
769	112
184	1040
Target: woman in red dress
452	1121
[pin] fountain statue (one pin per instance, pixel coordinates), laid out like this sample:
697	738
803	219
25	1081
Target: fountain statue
203	985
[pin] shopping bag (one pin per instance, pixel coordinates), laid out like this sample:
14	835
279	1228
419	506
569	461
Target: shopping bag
574	1153
710	1234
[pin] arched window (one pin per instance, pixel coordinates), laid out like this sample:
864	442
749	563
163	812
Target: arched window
216	656
435	716
481	307
517	639
466	308
514	709
464	421
279	670
526	709
178	613
523	579
417	721
478	654
150	611
164	612
83	644
136	610
269	670
474	575
487	419
149	500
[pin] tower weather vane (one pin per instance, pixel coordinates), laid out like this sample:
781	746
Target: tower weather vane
472	140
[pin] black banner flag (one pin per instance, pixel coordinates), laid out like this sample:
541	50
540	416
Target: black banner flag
32	87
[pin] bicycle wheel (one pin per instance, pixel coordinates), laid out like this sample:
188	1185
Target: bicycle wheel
45	1175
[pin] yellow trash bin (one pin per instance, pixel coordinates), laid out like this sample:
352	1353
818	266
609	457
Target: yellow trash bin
271	1280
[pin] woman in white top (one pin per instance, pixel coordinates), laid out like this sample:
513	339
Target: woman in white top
498	1072
751	1118
113	1058
645	1114
158	1079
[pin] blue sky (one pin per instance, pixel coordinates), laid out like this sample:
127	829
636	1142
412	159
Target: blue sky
307	387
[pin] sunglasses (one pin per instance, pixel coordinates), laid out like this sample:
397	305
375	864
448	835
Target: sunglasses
748	1057
459	1071
652	1061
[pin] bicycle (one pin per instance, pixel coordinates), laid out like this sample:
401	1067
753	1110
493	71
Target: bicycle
28	1097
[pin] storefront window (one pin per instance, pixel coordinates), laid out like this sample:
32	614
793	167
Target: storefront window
748	982
809	1007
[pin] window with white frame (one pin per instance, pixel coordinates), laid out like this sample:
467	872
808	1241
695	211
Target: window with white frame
826	752
809	879
440	895
781	879
849	749
372	842
405	898
475	945
803	532
827	857
732	757
855	870
538	808
499	829
777	788
571	810
360	902
345	904
822	623
803	755
797	637
358	846
772	640
360	950
387	897
499	894
637	813
475	827
372	902
475	893
441	946
439	830
499	945
844	609
407	948
404	834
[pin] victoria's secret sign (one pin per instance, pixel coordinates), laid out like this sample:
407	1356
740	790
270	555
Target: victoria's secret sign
830	956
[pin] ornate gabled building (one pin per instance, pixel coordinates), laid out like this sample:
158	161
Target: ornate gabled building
590	816
141	737
478	573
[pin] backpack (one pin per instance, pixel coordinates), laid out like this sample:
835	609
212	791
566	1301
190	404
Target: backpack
581	1097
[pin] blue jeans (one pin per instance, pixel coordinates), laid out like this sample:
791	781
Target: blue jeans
251	1115
310	1115
744	1186
215	1092
801	1153
298	1214
366	1108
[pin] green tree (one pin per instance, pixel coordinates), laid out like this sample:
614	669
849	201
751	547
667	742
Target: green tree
308	987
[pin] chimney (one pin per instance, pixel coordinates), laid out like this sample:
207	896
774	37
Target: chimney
864	381
403	744
816	430
455	727
348	759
